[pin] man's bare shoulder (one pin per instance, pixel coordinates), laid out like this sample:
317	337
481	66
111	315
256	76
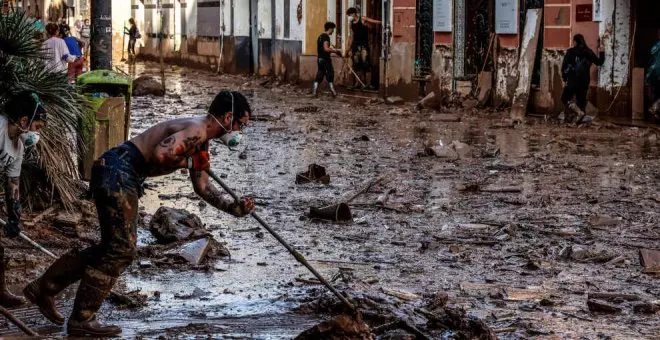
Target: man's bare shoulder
153	136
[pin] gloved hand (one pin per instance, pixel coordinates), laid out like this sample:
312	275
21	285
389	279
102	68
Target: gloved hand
12	229
242	208
199	161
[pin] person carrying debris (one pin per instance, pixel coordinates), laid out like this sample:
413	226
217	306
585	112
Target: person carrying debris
325	68
116	185
359	43
576	69
20	123
653	78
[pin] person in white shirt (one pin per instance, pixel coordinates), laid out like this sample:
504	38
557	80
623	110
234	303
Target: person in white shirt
56	50
23	117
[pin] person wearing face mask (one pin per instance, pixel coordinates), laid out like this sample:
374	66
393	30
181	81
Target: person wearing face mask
358	43
19	130
116	184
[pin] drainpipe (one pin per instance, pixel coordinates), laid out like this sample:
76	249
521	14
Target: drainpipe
387	34
272	37
101	40
222	34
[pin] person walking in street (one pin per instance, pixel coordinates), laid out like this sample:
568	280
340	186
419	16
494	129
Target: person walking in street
116	185
653	78
85	36
64	28
133	36
56	50
359	44
75	67
20	123
576	73
40	27
324	60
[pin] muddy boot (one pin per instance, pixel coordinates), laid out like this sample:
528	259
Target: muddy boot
315	89
579	114
7	299
62	273
332	89
94	288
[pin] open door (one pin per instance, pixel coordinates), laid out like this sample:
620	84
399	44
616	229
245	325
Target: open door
254	35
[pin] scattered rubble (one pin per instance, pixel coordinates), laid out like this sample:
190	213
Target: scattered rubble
650	260
314	173
146	85
171	225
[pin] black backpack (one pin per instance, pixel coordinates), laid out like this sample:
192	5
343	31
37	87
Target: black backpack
582	67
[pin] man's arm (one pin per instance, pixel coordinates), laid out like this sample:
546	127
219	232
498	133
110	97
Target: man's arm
327	48
350	43
214	197
366	20
13	201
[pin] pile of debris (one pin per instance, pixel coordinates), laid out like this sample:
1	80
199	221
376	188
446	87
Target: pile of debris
181	241
392	314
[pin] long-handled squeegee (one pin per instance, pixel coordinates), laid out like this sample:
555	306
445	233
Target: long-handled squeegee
291	250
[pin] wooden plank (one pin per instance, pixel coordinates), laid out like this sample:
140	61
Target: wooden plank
529	43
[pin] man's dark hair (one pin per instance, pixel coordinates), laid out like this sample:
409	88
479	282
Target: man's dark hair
351	11
52	28
328	25
25	104
222	104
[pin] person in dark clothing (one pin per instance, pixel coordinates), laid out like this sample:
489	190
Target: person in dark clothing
359	43
116	186
576	69
653	78
132	36
64	28
325	68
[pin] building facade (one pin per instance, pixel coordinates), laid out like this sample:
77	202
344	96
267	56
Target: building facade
421	46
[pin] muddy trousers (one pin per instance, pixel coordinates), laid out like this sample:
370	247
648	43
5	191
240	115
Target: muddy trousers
131	46
577	90
115	186
325	69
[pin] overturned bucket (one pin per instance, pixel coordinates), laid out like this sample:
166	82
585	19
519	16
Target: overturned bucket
338	213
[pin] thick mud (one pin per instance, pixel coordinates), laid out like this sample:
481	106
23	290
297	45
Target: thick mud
517	225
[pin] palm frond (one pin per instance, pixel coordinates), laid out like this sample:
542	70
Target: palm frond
22	68
16	35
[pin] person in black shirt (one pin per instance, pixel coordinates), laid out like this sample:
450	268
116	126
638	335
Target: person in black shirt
132	36
325	68
359	42
575	71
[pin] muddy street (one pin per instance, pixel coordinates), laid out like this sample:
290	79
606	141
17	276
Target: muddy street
530	229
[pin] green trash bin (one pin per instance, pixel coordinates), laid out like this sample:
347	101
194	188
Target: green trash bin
106	124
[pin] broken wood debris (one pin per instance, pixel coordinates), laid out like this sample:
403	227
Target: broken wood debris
650	260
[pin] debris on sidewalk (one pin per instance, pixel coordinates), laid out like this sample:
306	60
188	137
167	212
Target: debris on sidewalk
599	306
650	260
340	327
314	173
146	85
170	225
394	100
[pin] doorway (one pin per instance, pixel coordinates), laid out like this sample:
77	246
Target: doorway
646	36
478	39
374	11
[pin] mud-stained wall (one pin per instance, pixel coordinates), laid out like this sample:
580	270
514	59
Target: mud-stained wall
548	99
400	70
506	77
442	64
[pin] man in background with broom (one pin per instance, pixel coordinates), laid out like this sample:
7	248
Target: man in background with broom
23	117
116	186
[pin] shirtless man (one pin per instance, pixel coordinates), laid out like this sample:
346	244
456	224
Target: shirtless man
116	184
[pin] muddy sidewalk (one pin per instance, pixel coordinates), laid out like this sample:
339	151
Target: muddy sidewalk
520	227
